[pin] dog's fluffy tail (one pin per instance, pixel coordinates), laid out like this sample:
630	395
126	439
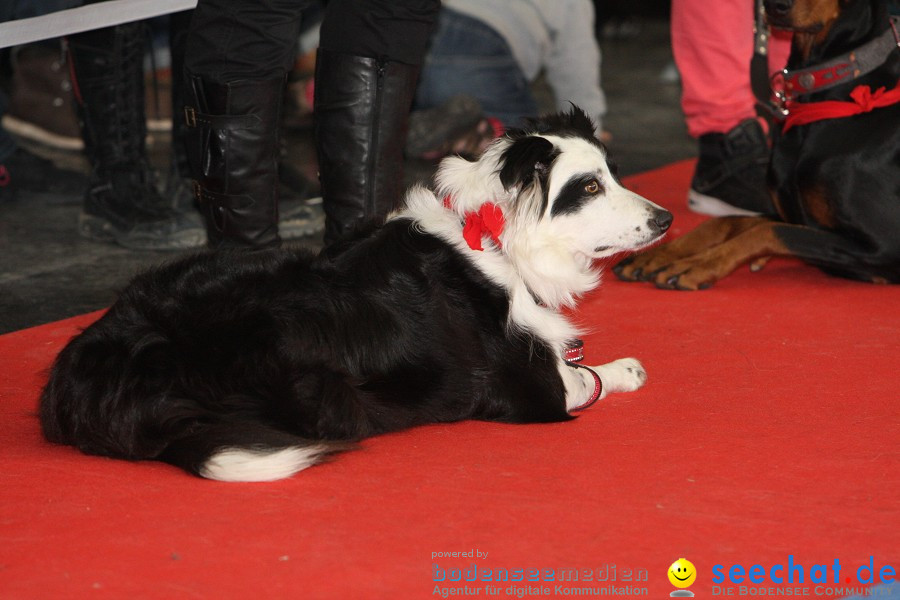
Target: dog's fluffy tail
240	464
242	451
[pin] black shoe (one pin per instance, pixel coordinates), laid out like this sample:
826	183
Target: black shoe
730	177
124	207
27	172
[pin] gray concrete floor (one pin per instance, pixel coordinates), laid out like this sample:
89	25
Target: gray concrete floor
47	272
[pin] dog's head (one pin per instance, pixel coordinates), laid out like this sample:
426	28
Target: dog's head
817	23
804	16
564	188
563	204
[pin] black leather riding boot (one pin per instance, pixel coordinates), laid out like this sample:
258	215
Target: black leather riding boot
232	145
122	203
361	114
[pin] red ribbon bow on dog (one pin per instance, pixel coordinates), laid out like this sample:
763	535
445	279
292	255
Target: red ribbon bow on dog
487	221
864	100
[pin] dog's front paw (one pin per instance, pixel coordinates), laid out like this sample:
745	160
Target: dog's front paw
623	375
690	274
643	266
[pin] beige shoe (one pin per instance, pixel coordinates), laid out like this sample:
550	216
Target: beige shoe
42	104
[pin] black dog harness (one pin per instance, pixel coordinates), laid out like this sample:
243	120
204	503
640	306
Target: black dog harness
777	95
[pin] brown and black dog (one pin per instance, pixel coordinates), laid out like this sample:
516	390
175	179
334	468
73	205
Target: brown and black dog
835	183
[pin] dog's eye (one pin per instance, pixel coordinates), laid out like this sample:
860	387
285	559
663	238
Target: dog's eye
592	187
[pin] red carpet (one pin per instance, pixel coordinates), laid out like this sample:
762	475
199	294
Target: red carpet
769	429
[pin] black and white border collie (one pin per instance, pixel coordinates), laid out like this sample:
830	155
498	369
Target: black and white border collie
253	366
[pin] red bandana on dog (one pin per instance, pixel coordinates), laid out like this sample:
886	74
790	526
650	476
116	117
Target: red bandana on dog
864	100
487	221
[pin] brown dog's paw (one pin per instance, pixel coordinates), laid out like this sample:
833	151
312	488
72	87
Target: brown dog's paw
642	267
686	275
622	270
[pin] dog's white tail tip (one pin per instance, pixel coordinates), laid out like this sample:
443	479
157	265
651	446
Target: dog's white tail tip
241	464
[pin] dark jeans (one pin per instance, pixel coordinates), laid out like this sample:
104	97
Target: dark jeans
231	40
469	57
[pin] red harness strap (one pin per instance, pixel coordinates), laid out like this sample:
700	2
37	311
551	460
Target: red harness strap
864	100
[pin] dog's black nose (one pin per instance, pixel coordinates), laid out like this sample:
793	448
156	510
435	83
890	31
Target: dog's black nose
661	221
778	8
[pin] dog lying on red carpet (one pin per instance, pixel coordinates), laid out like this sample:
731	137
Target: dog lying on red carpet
834	175
253	366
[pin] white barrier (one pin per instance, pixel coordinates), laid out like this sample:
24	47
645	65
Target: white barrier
85	18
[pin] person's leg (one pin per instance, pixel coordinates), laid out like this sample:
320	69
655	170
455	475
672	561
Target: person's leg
713	43
367	67
20	169
122	203
468	57
237	57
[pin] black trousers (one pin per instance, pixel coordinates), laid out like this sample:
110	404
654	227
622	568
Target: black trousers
255	39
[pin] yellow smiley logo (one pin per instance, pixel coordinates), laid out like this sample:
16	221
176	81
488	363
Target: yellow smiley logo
682	573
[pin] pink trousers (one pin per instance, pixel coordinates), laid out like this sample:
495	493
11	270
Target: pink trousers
712	41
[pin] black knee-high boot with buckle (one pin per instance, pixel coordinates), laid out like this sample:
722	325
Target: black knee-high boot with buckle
232	144
361	113
122	204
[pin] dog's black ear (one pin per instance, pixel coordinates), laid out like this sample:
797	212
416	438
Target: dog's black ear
525	159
